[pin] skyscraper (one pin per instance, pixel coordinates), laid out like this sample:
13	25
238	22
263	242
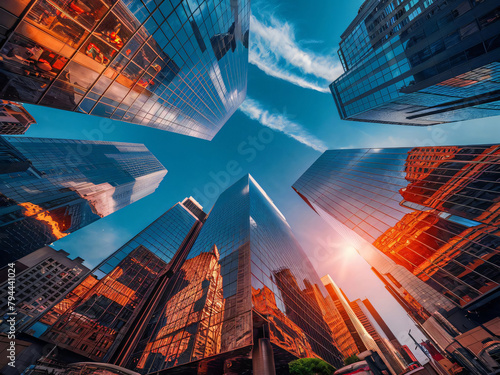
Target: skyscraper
361	338
381	323
174	65
387	350
239	297
430	215
14	118
41	279
419	62
256	294
52	187
361	330
333	315
94	319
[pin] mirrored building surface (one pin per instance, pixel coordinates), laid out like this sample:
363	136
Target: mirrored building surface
51	187
96	317
430	216
174	65
246	278
420	62
241	287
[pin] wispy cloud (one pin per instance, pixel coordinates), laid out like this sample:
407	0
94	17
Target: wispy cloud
276	52
279	121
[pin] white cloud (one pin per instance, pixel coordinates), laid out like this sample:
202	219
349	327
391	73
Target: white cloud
276	52
280	122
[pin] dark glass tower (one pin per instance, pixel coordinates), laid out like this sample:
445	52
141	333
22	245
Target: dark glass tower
244	287
174	65
431	216
98	317
51	187
420	62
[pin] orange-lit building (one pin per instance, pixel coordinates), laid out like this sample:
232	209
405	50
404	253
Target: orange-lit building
199	304
430	217
222	302
91	326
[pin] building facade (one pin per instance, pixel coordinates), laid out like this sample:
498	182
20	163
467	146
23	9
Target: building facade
357	338
95	319
42	278
363	333
174	65
52	187
387	350
239	296
430	217
14	118
382	324
420	62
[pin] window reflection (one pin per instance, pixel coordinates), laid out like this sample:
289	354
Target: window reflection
112	31
53	21
98	50
85	12
115	39
432	210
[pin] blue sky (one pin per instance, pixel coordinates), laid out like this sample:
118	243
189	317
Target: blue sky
292	60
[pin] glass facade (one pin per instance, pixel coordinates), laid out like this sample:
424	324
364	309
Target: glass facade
174	65
246	277
426	219
420	62
193	294
360	337
52	187
385	348
432	210
95	317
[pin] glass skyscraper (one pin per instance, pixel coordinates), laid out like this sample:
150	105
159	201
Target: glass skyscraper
51	187
93	319
245	279
430	215
420	62
239	291
174	65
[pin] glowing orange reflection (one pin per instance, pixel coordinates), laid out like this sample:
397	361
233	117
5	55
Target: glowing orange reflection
74	296
38	213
